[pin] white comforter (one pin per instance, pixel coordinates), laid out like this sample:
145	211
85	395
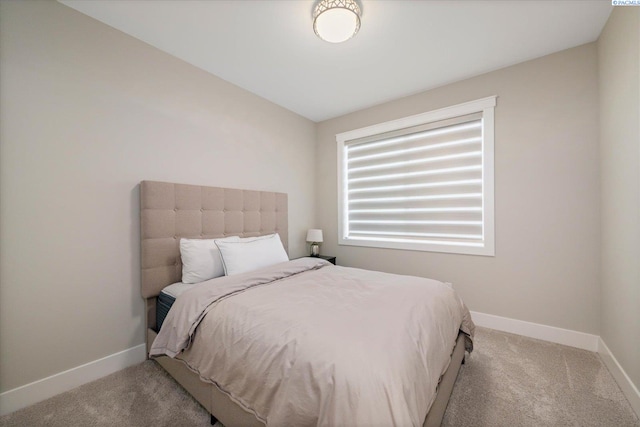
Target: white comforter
307	343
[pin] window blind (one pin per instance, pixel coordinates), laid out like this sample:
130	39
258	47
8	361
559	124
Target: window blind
421	184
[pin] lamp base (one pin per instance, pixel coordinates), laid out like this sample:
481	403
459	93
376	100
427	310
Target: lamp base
315	249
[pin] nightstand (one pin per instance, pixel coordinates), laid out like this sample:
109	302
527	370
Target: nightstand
331	259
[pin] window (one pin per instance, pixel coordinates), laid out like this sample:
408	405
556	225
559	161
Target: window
423	182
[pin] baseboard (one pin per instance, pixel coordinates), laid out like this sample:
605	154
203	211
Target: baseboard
37	391
626	385
537	331
45	388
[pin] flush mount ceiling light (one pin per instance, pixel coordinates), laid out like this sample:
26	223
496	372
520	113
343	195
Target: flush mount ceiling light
336	21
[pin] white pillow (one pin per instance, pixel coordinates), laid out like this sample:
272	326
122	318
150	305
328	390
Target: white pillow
251	239
250	254
201	259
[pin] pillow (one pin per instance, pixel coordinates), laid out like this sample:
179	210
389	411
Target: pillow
201	259
251	253
251	239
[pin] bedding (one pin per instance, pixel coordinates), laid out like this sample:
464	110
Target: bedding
305	342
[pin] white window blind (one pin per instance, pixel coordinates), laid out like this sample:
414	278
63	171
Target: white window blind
420	183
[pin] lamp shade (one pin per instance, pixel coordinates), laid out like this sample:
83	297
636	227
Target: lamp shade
336	21
314	235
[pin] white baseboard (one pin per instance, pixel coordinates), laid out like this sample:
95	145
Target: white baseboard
37	391
626	385
45	388
537	331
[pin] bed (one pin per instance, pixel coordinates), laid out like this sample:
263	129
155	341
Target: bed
170	212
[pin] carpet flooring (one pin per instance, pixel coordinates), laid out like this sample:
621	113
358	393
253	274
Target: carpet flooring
508	380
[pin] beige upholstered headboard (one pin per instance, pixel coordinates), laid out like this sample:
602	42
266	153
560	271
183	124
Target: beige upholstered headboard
171	211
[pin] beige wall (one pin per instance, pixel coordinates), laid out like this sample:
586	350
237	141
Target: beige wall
87	112
619	84
546	268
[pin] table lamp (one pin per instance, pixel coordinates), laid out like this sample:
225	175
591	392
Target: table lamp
314	236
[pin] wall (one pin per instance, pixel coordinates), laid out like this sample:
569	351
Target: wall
619	84
546	268
87	113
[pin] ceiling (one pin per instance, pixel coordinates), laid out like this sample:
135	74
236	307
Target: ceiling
403	47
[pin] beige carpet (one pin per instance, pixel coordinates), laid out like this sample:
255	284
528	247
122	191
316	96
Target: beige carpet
508	381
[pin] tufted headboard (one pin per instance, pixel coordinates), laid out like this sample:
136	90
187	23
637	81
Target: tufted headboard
171	211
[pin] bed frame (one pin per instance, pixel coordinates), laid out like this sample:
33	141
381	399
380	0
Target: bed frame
170	211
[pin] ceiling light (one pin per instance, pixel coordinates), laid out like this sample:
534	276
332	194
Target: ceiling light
336	21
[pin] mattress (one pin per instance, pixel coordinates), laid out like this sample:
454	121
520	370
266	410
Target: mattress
166	299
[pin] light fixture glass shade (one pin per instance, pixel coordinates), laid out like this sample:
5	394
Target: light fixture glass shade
314	236
336	21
